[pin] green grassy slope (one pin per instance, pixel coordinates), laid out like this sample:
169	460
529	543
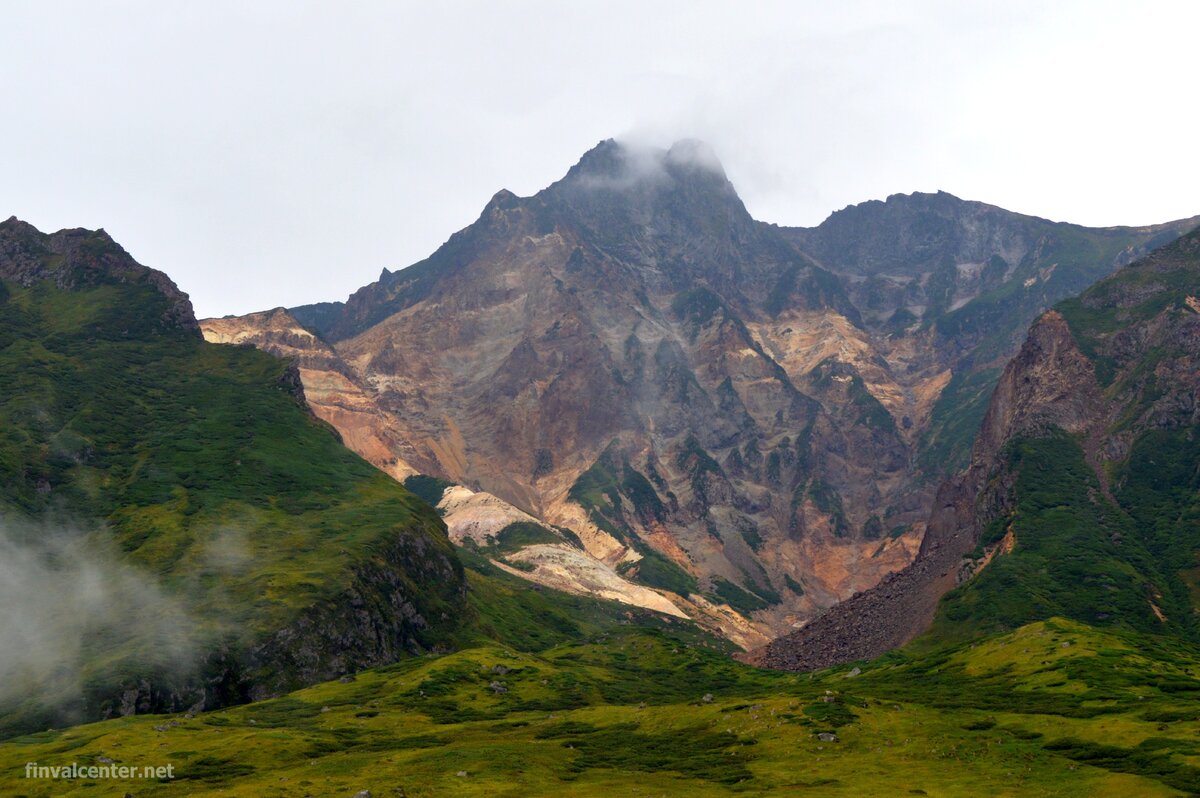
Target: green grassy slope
1078	553
1054	709
1118	541
198	467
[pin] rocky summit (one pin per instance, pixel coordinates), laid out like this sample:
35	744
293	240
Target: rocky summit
748	422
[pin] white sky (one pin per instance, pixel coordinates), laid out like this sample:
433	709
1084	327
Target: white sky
278	153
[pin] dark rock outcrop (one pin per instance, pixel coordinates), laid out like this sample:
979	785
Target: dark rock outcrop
78	257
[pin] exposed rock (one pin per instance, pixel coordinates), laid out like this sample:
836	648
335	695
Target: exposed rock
78	257
566	568
328	384
1051	385
479	516
629	355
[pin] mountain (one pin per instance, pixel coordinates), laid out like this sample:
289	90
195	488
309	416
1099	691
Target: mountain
595	355
1081	499
178	531
752	420
182	530
962	281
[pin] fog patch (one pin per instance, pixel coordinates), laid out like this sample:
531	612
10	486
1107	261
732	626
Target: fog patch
70	603
695	154
228	552
628	165
634	162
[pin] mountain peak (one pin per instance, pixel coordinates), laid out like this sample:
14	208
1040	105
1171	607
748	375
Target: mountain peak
618	165
77	257
695	154
502	200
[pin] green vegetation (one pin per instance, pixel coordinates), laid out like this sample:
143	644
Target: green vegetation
827	500
598	491
1066	262
751	535
1077	554
739	598
1136	294
509	610
426	488
697	463
520	534
1054	708
655	570
604	491
955	419
873	413
805	284
698	306
173	443
870	410
197	466
900	321
1119	551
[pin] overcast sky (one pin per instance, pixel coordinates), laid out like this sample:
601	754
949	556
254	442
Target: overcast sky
268	154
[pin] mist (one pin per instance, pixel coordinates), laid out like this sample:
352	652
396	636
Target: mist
641	163
68	600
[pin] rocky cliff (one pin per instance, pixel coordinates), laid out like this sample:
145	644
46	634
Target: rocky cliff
1081	495
718	408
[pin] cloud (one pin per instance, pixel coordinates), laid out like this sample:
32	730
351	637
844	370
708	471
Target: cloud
68	603
228	551
264	154
637	160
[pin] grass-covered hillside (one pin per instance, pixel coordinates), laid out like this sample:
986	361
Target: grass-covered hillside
1102	520
135	453
1053	709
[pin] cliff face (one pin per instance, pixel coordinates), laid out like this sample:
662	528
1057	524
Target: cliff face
1081	498
629	355
714	411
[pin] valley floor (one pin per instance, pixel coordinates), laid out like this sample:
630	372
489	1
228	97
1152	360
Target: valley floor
1054	708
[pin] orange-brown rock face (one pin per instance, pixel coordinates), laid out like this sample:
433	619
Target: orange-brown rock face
629	355
1115	383
330	387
